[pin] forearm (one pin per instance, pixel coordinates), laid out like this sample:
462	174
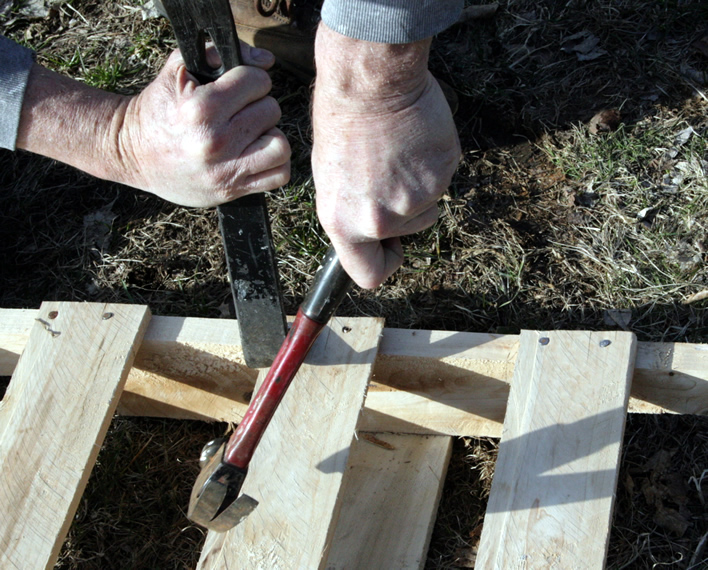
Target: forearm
72	122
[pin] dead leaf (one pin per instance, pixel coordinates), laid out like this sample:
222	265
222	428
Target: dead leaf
224	311
676	488
618	317
659	462
476	533
700	296
692	74
584	45
605	121
150	10
98	226
653	492
629	484
38	9
671	520
684	136
586	199
466	557
701	45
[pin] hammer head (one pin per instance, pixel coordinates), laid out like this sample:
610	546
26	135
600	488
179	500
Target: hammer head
215	502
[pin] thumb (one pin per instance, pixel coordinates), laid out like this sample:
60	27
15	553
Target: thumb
257	57
369	264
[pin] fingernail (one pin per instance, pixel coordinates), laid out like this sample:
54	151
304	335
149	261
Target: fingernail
261	55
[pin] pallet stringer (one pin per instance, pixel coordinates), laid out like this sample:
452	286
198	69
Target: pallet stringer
426	382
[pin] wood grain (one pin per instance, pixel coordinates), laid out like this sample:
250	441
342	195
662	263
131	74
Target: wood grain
53	420
296	471
390	497
432	382
553	488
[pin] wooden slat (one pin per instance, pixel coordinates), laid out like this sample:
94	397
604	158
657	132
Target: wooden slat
431	382
296	472
390	497
551	500
53	420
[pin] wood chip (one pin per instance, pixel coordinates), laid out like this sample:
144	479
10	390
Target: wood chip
372	439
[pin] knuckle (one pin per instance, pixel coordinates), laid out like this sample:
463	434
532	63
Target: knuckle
272	107
206	147
281	149
256	78
376	224
194	111
330	220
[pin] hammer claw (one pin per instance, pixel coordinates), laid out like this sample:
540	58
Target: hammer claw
215	502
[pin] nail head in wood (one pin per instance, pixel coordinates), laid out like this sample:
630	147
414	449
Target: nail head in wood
544	340
107	316
604	343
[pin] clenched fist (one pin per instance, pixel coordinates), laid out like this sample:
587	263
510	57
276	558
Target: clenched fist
385	149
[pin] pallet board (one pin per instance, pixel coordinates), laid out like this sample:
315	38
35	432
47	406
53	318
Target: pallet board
53	419
390	497
552	492
297	470
328	500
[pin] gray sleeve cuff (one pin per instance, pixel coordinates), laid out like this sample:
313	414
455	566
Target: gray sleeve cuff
390	21
15	65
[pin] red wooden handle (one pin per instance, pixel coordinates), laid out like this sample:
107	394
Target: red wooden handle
303	333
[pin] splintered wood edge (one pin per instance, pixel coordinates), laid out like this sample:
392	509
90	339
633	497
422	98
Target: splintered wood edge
425	382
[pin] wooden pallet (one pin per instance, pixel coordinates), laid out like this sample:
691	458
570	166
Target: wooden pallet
356	484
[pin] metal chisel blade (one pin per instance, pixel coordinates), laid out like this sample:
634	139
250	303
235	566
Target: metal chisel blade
253	272
244	223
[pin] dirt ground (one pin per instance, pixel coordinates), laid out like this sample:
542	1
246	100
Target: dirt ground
581	202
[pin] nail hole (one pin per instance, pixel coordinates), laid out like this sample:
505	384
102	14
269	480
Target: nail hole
544	340
346	329
53	314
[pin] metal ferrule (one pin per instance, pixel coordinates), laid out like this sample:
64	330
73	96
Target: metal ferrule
327	291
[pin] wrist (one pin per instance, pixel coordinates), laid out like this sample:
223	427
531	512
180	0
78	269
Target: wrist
362	72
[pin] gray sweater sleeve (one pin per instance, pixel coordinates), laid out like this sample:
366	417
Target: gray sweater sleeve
390	21
15	64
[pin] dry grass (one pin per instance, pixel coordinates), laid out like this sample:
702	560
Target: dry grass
546	225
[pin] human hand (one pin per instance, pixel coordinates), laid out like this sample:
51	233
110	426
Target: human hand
385	150
203	145
195	145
